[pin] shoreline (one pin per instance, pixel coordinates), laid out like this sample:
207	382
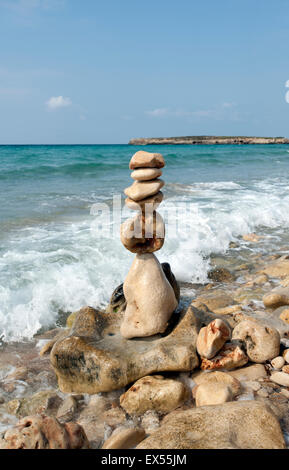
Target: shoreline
234	292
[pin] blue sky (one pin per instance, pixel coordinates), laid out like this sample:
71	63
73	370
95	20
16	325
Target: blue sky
91	71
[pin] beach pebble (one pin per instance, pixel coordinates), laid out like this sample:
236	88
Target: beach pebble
213	394
278	362
254	372
230	357
217	377
286	355
277	297
146	174
221	275
251	237
124	438
284	315
285	369
153	393
262	342
143	234
142	159
212	338
280	378
44	432
142	189
148	310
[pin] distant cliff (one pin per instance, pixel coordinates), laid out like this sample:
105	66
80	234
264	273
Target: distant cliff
209	140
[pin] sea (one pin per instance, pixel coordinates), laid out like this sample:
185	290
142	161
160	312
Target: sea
61	209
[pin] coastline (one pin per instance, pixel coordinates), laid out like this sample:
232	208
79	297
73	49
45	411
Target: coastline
209	140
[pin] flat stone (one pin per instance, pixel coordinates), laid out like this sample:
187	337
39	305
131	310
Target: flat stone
229	357
94	357
153	393
143	189
149	204
233	425
146	174
124	438
142	159
285	369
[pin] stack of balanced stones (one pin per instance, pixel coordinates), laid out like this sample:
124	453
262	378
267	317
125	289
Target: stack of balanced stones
150	299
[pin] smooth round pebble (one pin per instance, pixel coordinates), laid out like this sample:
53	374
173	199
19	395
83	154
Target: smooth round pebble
278	362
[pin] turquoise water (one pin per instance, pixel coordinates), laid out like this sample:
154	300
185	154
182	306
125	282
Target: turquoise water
51	255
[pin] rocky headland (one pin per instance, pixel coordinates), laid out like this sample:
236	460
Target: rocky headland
209	140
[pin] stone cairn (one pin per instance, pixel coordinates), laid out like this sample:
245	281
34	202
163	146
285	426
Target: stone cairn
150	298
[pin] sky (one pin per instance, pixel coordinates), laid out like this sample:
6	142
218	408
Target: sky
106	71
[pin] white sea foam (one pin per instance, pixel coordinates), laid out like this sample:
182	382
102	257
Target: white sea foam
64	266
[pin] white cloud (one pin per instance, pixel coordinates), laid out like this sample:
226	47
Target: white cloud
228	104
287	84
158	112
178	113
56	102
